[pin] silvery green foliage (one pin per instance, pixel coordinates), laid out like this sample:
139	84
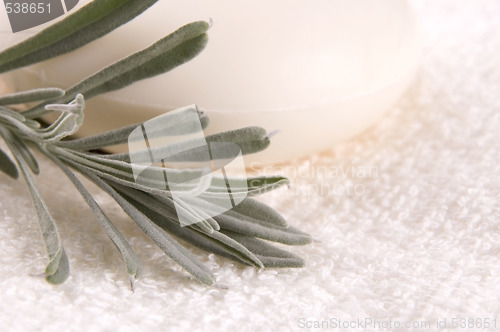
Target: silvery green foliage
237	233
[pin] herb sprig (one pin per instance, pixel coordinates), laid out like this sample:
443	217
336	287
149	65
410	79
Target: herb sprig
242	233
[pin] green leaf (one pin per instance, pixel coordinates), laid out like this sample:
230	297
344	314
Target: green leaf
249	139
130	258
165	207
216	241
87	24
33	124
239	135
29	96
254	146
286	235
121	173
7	165
165	242
255	211
117	136
276	181
50	234
253	186
269	255
62	272
116	174
164	55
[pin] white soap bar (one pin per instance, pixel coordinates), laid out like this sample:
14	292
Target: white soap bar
320	72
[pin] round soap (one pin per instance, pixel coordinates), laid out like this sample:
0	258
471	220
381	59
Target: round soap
319	72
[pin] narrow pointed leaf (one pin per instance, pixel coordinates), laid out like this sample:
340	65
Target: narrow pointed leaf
29	96
166	243
259	182
50	233
137	69
286	235
238	135
215	242
257	212
108	173
165	207
164	55
249	139
268	254
112	137
130	258
121	173
253	185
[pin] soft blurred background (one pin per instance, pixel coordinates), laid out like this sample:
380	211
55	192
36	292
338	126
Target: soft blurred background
406	220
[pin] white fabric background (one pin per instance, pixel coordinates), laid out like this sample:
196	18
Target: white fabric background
419	241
